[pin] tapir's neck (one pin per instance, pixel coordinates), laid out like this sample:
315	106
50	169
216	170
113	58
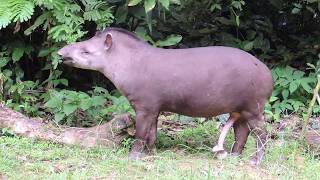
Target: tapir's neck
119	64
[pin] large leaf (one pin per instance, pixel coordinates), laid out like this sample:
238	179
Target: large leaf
169	41
273	98
3	61
142	33
295	10
149	5
17	54
69	108
293	87
134	2
165	3
285	94
248	46
85	104
98	100
58	117
176	2
121	14
306	86
54	102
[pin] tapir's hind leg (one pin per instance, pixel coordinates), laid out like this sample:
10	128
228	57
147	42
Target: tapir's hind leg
232	119
256	124
241	133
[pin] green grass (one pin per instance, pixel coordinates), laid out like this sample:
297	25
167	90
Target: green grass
187	156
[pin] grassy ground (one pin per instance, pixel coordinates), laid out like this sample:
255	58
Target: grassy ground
188	156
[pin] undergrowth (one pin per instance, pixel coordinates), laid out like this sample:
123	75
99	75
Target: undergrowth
188	158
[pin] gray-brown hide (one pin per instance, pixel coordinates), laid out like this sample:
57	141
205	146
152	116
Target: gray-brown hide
199	82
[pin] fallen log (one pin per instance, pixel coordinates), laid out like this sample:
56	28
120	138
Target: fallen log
313	137
107	134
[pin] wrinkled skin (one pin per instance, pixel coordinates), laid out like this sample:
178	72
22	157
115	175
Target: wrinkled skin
198	82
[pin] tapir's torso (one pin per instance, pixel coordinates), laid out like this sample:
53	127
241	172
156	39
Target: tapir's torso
197	81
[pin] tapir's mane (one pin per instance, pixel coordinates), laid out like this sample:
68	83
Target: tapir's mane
120	30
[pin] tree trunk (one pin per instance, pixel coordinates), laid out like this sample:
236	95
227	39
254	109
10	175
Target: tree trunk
108	134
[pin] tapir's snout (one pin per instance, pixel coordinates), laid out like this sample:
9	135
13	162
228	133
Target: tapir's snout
63	52
66	55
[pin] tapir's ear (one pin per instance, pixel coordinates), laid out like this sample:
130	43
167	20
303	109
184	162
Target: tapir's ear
108	41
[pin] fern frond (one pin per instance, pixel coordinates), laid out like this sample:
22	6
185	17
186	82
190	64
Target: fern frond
15	11
92	15
22	10
98	11
51	4
39	21
5	17
69	14
66	33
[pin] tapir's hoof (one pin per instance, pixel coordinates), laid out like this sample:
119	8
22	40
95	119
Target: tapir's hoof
255	162
135	156
222	154
217	149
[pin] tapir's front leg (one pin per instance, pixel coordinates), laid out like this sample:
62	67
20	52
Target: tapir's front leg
145	133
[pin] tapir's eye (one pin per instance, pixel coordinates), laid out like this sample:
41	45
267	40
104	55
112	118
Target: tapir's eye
84	51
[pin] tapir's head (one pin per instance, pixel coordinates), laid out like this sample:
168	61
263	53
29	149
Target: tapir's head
104	49
89	54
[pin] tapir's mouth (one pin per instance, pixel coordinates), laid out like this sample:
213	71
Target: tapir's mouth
68	61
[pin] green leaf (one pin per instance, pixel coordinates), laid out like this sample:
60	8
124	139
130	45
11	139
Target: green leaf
296	104
54	102
288	106
85	104
298	74
165	3
149	5
311	65
293	87
273	98
100	90
121	14
305	85
3	61
69	108
238	20
248	46
44	52
178	2
142	33
295	10
17	54
98	100
238	4
58	117
134	2
215	6
285	94
169	41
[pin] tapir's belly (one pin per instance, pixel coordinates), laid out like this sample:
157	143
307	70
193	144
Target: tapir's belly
193	112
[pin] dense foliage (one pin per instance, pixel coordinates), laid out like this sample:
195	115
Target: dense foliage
284	34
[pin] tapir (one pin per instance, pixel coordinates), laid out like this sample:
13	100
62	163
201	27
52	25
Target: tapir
197	82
